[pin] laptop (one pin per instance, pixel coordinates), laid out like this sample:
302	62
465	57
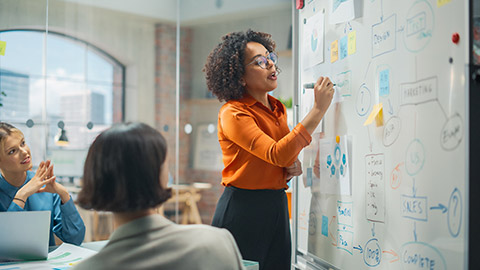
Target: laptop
24	235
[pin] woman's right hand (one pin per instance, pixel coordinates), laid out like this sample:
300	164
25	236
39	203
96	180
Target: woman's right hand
39	180
323	97
324	91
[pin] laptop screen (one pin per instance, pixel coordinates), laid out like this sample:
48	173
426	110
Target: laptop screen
24	235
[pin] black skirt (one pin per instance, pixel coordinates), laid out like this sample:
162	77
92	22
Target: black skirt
259	222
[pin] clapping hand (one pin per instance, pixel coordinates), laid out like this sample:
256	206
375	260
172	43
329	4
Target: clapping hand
43	181
40	179
53	186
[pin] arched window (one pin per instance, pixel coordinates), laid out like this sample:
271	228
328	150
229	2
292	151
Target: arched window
51	78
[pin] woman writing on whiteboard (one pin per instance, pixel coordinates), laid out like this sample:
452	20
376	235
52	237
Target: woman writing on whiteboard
24	190
259	151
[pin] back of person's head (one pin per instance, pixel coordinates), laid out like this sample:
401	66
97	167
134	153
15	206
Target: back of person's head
123	170
6	130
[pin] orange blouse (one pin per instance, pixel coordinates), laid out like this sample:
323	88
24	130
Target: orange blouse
257	143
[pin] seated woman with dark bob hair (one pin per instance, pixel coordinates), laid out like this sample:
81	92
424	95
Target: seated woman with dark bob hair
125	173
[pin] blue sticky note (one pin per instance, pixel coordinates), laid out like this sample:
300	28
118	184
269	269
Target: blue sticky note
325	225
309	177
343	47
384	82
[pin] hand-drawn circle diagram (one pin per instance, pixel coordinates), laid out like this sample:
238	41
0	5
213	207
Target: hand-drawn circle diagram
364	99
391	131
372	254
452	133
455	213
414	255
419	26
415	157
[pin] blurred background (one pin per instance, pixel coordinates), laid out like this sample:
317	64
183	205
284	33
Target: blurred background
72	68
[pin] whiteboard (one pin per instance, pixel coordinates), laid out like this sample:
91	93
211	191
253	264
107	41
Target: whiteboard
384	182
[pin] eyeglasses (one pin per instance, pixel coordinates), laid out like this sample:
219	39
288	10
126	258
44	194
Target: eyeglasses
262	61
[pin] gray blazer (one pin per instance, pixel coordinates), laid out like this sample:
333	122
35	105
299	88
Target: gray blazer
154	242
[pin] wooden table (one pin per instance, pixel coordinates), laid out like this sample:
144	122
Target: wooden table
188	196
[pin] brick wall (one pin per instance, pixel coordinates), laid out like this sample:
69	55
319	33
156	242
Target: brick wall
165	87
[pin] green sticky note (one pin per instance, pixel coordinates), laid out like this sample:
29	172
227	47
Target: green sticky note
3	45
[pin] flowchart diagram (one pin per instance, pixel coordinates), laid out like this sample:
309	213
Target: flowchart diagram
395	174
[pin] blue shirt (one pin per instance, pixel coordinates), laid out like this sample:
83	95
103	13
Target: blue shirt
65	221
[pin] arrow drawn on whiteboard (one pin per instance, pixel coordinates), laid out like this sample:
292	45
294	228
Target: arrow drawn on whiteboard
334	242
395	255
381	9
415	68
331	221
415	124
369	140
373	229
440	105
390	108
359	248
347	25
415	231
366	71
414	190
439	207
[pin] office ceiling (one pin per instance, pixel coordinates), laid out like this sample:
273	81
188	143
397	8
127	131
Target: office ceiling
190	11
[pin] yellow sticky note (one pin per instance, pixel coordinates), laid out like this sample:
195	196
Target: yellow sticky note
352	42
334	51
3	45
379	117
377	109
442	2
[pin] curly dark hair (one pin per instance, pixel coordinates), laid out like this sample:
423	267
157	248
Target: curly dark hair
225	64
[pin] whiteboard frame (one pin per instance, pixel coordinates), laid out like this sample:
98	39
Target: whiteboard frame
303	260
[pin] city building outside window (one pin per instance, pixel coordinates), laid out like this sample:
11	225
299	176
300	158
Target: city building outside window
53	80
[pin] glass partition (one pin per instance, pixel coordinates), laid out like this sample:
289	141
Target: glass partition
202	25
22	80
72	68
125	70
69	69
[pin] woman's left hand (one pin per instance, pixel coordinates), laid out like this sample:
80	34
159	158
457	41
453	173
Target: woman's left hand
294	170
53	186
